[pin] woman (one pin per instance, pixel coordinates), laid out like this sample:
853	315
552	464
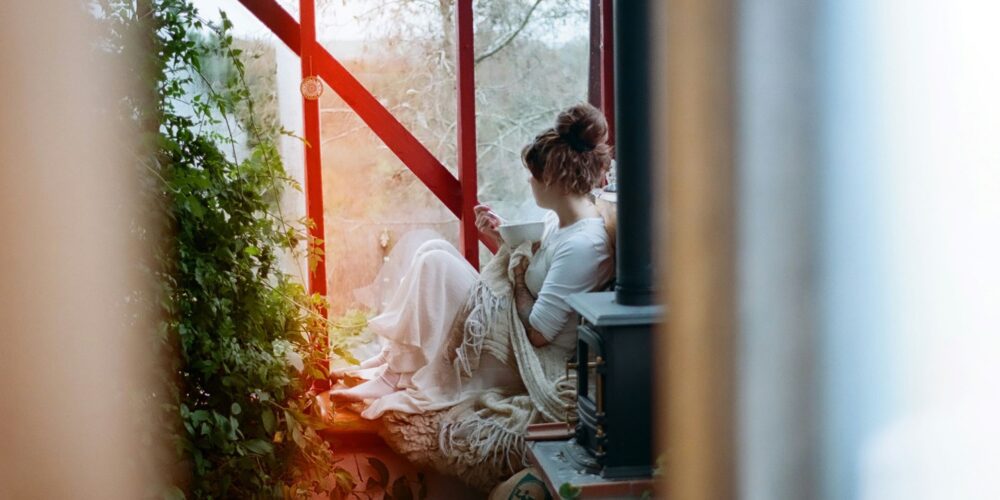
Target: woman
566	163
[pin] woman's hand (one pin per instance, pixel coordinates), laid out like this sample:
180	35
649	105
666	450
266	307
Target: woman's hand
520	269
524	302
487	222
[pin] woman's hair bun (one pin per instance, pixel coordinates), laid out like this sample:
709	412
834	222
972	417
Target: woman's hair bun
574	155
583	127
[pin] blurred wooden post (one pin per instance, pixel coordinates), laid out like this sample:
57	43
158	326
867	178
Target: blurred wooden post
697	266
468	234
76	346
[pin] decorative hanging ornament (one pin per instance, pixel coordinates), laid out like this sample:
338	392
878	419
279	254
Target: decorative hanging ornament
311	88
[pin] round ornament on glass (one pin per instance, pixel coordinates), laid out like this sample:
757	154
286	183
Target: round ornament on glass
311	88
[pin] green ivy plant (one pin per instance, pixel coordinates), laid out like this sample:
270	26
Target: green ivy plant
243	339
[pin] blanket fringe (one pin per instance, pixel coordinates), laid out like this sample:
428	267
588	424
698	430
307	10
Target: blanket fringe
482	438
481	319
490	441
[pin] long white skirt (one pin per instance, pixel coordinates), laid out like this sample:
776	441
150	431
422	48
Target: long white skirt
415	323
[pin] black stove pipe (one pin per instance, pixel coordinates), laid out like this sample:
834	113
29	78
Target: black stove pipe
633	151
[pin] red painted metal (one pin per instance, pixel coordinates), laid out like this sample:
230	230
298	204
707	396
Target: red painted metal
594	76
278	20
465	67
608	66
314	164
314	170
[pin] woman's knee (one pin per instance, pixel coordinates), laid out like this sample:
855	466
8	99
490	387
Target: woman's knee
435	245
435	257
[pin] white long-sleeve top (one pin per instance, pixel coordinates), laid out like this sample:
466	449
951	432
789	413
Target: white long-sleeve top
572	259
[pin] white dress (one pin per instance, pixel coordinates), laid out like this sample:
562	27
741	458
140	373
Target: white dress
419	315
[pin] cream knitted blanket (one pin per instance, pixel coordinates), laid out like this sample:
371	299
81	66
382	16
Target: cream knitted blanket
482	438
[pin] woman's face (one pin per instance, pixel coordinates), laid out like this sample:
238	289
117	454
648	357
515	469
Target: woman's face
545	196
539	190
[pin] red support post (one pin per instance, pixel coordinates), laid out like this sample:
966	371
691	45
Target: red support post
314	165
594	75
608	66
465	67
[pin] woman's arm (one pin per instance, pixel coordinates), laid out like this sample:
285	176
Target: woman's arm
574	267
524	301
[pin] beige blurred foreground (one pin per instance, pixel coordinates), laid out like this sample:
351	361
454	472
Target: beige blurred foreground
65	358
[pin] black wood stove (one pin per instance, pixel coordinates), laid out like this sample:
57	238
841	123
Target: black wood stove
613	431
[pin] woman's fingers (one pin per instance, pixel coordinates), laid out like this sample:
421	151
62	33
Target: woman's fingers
483	222
486	220
487	211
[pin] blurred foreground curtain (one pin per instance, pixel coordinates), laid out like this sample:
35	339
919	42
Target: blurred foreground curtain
69	359
830	248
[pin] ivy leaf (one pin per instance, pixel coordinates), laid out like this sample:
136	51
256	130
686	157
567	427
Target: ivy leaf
345	481
381	471
569	492
173	493
298	437
422	492
258	447
267	418
196	208
199	416
316	373
401	489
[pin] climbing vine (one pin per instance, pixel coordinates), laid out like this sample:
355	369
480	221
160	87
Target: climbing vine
243	339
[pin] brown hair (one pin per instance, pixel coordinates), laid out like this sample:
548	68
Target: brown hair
573	155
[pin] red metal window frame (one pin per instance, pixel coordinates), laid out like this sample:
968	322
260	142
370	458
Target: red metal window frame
459	195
